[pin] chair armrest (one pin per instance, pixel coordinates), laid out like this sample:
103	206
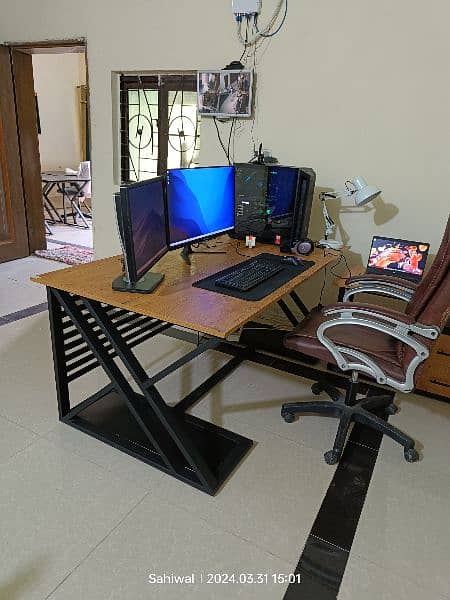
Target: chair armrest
395	287
387	279
390	322
381	314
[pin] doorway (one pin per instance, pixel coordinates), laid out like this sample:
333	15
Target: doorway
45	111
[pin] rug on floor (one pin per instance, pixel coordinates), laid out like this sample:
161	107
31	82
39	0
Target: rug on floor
70	255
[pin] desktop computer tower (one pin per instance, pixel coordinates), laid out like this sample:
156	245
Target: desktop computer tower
250	199
254	214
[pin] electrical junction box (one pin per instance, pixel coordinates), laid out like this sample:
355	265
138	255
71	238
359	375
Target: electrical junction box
246	7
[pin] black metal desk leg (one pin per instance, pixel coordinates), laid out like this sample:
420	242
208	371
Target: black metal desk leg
48	205
86	335
299	303
287	311
56	329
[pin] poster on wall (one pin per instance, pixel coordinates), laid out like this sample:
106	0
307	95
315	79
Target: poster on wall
225	93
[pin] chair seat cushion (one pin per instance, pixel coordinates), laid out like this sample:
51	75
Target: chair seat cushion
382	348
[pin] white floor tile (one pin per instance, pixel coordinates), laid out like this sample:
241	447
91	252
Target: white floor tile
13	439
16	290
161	538
26	372
71	235
254	394
278	522
427	421
364	580
55	509
405	524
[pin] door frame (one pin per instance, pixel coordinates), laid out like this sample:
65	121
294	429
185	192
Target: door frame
35	219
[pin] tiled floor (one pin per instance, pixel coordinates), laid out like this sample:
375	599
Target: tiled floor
17	292
79	519
69	235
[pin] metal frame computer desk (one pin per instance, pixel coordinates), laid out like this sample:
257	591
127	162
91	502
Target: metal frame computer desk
91	325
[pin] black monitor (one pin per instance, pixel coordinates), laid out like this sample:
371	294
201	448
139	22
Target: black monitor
141	220
200	205
282	187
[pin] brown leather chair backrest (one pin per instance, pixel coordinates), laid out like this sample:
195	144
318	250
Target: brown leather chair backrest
430	304
429	290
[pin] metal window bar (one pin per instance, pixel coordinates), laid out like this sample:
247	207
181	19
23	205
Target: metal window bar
154	127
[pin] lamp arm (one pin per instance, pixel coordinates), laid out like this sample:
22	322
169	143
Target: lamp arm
329	223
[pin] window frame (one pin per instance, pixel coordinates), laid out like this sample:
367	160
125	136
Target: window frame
164	83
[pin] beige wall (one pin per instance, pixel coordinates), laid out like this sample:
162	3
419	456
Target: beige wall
56	77
355	87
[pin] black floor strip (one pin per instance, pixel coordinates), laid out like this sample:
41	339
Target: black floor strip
22	314
324	558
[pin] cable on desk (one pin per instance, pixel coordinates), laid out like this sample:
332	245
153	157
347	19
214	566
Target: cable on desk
241	253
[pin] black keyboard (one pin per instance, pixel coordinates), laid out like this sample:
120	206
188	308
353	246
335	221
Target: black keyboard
249	275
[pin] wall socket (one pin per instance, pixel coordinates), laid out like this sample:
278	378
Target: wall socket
246	7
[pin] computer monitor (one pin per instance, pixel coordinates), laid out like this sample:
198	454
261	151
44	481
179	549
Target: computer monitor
141	219
200	204
282	187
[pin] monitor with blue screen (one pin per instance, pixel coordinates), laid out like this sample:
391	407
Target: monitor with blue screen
200	203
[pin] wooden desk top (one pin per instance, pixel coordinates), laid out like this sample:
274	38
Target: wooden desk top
175	300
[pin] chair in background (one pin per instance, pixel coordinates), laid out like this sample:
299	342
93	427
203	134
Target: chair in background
383	344
85	194
76	192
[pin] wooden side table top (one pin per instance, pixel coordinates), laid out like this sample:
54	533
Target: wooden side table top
175	300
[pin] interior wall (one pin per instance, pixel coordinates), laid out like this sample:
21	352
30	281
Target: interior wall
56	77
353	88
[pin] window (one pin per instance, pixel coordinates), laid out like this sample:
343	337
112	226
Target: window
160	128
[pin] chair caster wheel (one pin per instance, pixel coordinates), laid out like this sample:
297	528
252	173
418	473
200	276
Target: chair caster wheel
331	457
316	389
288	417
391	409
411	455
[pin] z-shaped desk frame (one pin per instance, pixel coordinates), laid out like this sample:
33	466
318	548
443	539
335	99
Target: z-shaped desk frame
91	326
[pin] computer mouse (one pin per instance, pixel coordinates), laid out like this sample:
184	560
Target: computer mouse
292	260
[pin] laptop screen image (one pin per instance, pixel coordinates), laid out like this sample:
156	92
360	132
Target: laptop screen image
402	258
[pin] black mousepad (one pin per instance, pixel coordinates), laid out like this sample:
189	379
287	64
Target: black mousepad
262	289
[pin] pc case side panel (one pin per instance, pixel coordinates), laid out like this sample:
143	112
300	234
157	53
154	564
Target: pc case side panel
250	199
304	200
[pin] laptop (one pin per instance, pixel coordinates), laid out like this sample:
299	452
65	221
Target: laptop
400	258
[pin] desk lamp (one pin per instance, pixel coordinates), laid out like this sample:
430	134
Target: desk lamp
361	193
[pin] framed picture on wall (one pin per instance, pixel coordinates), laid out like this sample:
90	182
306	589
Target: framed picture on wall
225	93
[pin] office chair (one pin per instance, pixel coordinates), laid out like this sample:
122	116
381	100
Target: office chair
77	198
383	344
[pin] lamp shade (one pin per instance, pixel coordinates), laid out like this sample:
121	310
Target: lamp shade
363	193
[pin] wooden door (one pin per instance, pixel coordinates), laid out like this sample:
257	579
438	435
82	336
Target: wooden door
13	222
27	129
